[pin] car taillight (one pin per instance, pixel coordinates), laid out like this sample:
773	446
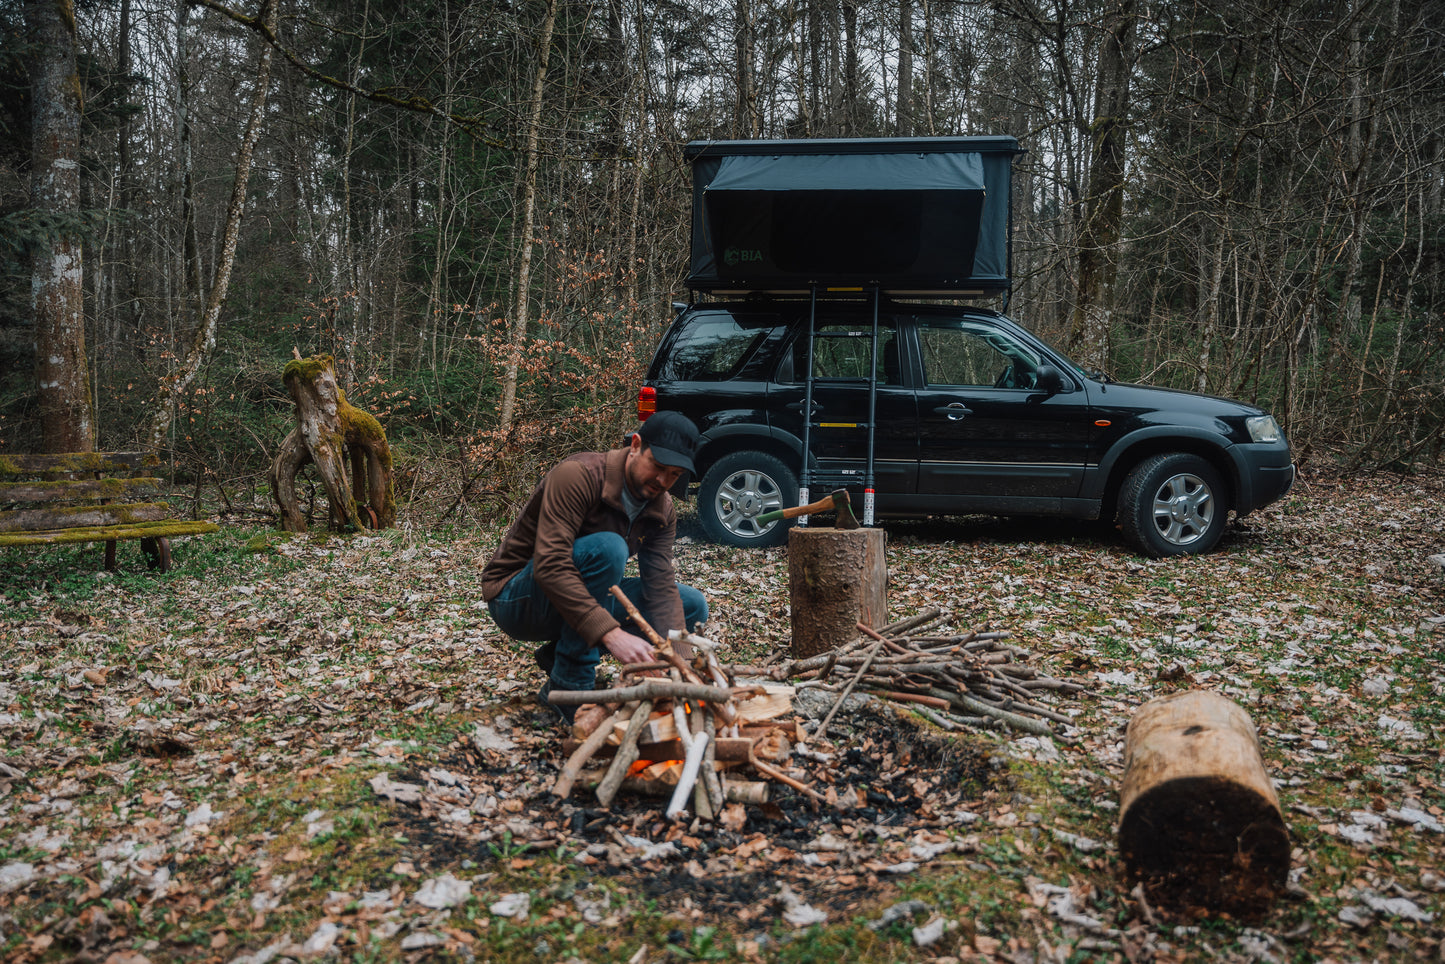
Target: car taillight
646	402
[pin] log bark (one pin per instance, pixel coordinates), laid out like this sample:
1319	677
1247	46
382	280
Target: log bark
836	578
1200	825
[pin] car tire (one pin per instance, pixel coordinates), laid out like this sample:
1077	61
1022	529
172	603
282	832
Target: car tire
1173	505
738	488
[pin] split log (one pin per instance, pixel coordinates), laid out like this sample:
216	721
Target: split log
1200	826
725	750
626	756
733	791
580	756
836	578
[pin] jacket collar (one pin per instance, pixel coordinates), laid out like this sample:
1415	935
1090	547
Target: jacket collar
614	477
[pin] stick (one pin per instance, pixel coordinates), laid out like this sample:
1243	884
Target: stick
653	689
823	727
913	622
665	648
581	755
776	774
933	701
980	708
626	755
710	780
689	776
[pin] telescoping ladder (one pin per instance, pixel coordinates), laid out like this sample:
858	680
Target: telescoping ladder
807	476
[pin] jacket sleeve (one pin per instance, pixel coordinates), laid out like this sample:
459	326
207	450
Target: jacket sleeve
569	493
657	567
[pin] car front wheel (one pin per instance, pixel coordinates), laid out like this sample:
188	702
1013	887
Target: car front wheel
738	489
1173	505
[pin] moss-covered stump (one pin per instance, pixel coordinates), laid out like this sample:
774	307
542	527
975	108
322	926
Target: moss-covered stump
335	436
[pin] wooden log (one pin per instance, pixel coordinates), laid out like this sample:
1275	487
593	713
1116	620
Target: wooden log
836	579
1200	826
726	750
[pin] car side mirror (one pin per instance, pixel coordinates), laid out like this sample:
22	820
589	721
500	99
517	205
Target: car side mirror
1048	379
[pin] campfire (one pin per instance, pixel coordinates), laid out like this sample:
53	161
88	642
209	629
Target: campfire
708	734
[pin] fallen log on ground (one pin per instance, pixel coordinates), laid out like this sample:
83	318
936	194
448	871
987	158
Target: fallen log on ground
1200	825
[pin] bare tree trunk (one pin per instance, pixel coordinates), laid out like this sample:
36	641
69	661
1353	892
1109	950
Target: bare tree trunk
529	209
850	69
173	384
747	106
191	276
904	121
56	267
1103	216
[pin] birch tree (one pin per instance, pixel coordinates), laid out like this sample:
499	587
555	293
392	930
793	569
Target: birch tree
181	377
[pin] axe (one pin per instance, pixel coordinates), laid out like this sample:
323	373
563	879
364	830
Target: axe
836	501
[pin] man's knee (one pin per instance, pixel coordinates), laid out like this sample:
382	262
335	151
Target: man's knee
694	606
600	555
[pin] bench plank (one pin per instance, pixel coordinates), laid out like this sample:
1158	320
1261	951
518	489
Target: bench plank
67	491
139	530
107	463
78	516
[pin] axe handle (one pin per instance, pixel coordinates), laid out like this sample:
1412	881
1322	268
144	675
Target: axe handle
822	505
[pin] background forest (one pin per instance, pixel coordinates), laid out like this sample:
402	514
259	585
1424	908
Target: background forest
480	209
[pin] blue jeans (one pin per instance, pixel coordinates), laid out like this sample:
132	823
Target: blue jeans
523	611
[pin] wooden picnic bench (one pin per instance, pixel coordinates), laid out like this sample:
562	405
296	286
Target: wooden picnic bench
88	497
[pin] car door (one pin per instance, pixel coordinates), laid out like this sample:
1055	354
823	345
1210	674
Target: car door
842	353
985	431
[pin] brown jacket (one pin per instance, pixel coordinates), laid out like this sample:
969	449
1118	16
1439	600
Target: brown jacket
580	496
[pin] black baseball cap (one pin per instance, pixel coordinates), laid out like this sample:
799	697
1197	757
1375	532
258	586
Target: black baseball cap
672	438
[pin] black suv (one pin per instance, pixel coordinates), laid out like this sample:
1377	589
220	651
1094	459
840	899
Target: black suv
973	415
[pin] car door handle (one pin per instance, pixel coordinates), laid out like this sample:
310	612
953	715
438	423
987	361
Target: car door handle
953	411
798	407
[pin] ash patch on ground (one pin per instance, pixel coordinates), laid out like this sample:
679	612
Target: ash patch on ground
905	795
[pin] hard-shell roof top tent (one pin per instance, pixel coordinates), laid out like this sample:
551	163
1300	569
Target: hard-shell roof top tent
915	216
908	216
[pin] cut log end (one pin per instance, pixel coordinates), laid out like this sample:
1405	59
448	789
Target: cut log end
1200	825
1206	845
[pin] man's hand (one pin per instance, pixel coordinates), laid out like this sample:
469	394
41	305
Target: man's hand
627	647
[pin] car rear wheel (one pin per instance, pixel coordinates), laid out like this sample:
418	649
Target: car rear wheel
738	489
1172	505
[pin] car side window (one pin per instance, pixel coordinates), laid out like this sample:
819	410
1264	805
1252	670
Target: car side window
715	347
959	352
842	351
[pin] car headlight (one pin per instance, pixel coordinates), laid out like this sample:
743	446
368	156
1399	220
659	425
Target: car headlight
1263	428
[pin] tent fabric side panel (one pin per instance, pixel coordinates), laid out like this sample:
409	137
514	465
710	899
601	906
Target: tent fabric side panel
897	220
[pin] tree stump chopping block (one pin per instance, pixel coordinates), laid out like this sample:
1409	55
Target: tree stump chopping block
836	578
1199	822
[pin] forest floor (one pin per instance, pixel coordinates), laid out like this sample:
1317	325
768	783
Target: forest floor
319	747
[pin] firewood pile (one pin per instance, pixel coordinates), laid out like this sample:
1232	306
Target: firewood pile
705	736
956	680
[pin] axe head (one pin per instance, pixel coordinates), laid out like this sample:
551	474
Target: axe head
843	507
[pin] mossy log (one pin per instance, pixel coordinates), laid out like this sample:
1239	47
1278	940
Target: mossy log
1199	822
329	433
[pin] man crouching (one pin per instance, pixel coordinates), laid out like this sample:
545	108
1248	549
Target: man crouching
550	578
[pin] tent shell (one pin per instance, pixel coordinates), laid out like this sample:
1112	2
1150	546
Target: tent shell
917	216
